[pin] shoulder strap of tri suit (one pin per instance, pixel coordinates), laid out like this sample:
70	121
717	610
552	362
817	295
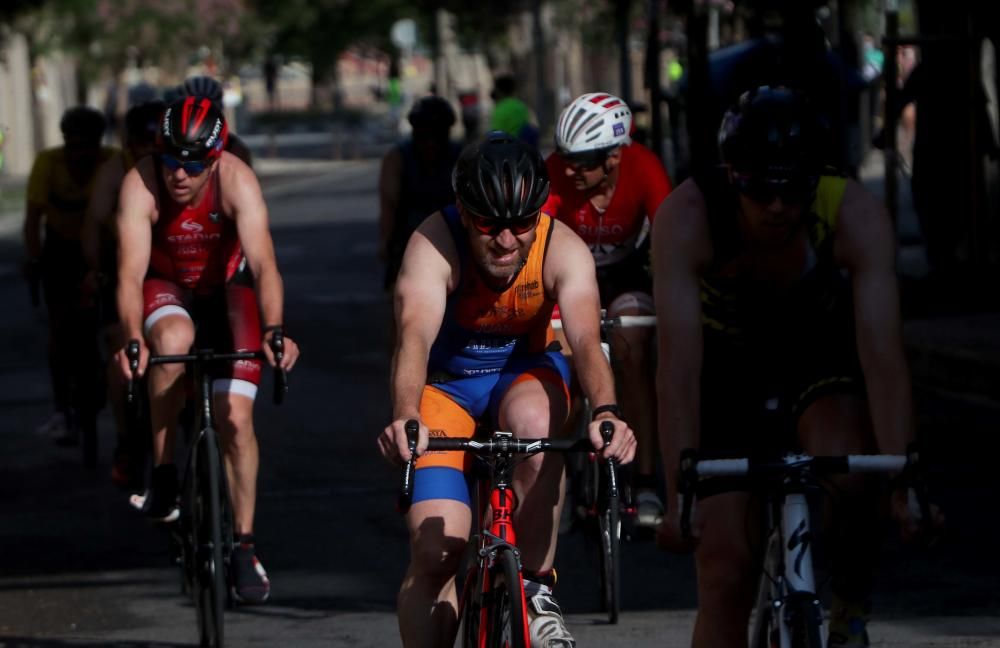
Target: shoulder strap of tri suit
454	222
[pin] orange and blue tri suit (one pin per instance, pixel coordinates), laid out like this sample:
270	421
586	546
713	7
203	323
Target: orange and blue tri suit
489	340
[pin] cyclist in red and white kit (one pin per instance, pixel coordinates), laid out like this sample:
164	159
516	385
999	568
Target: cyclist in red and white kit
195	249
607	189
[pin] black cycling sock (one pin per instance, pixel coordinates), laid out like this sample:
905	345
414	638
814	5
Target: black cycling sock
245	539
547	577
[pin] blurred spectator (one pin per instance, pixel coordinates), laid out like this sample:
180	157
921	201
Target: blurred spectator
872	59
59	188
271	82
510	114
471	113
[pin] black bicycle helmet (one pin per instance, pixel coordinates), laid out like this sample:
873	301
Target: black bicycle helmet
501	178
82	122
773	133
192	129
203	86
432	113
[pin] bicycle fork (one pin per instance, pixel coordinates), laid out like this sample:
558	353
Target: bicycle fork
793	587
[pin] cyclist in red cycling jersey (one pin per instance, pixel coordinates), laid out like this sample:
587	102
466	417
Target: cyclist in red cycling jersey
194	244
607	189
474	302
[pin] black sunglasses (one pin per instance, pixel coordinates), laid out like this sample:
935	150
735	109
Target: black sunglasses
192	167
792	190
584	162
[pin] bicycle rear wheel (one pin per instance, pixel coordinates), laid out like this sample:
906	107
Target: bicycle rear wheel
209	577
507	621
610	529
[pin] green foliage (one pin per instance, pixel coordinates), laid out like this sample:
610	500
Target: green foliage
320	30
107	33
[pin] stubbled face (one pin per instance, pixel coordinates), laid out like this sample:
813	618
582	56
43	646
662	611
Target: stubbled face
588	175
184	188
771	224
499	256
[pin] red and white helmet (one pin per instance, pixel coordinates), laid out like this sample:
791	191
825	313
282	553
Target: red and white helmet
596	121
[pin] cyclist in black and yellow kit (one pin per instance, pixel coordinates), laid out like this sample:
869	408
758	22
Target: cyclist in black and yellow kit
59	187
775	283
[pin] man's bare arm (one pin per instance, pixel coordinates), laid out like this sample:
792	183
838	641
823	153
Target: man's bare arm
866	245
680	247
388	192
135	233
570	276
420	302
571	267
242	190
420	299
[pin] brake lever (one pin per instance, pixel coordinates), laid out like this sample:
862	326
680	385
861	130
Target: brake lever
405	499
132	353
607	431
277	343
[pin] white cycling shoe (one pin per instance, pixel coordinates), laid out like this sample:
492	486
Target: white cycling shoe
545	622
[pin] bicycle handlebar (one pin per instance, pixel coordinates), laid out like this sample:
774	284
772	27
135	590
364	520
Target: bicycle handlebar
501	443
209	355
693	470
796	463
619	322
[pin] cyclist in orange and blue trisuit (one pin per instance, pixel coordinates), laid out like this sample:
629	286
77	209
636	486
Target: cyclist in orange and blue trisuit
473	305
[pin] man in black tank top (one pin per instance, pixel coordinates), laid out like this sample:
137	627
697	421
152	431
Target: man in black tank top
415	179
775	284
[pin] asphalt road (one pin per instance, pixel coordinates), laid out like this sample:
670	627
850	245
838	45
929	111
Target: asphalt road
78	568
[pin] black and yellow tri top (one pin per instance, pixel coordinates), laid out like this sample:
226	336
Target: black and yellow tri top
737	307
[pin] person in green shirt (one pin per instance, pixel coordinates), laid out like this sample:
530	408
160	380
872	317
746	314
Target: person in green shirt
510	114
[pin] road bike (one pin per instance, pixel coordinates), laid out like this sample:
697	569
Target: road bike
788	612
492	608
204	533
593	504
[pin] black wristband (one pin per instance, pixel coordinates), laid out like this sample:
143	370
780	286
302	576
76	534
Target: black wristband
271	328
601	409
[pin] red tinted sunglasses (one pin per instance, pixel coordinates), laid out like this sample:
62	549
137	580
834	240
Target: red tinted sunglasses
493	227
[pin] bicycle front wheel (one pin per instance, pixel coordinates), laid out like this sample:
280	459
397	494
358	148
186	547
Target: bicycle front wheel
610	529
210	577
805	621
507	624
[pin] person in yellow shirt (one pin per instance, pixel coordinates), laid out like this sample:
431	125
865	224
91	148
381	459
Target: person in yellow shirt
59	188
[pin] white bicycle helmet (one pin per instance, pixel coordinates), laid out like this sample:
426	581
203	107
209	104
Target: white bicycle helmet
594	122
